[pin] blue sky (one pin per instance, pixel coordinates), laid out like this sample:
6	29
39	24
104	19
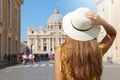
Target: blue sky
37	12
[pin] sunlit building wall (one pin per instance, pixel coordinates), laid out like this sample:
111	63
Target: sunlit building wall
109	10
10	25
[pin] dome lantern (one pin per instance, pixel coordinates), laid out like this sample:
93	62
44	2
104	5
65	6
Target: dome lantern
56	11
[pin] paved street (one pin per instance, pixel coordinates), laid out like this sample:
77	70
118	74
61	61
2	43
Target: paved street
111	71
36	71
45	71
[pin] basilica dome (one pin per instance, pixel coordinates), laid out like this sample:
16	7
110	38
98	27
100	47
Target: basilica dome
55	18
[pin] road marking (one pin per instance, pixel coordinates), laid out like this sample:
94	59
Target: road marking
19	66
106	66
50	65
31	65
27	66
7	71
111	66
42	65
35	65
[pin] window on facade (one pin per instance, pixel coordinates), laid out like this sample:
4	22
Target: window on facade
44	39
51	49
51	27
32	32
112	1
45	48
31	39
9	13
9	45
103	9
59	27
1	11
16	47
44	31
59	40
50	41
44	43
17	20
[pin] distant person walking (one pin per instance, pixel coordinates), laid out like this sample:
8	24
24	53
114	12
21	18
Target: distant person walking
24	57
31	58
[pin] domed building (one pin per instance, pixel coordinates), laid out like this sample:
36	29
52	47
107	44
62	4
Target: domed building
47	39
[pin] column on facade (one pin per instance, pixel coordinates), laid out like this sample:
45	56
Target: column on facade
41	44
47	44
53	44
62	40
36	45
58	41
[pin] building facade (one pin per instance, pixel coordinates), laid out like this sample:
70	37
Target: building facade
10	13
109	10
47	38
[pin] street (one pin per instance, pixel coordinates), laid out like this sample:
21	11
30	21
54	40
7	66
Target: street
111	71
36	71
45	71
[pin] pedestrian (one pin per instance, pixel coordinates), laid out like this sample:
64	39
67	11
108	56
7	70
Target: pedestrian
31	58
80	57
19	58
50	58
24	57
5	58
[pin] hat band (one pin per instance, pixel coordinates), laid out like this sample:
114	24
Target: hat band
80	29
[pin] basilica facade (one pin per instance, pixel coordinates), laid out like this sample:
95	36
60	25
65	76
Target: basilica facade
46	39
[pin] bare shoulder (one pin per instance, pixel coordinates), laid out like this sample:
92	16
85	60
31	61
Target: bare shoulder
57	65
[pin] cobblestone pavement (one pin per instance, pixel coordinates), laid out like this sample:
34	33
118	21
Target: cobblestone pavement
45	71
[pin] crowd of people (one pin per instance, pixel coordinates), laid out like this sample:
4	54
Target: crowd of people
26	58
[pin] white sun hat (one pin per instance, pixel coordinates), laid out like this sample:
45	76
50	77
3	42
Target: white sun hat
78	27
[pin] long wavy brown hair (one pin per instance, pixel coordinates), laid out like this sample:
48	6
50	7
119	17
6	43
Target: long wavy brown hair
81	60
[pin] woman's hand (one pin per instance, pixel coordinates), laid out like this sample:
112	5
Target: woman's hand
107	41
94	17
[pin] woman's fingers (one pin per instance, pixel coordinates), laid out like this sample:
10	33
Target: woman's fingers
95	19
90	14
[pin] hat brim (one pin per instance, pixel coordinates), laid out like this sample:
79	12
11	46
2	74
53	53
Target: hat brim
76	34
